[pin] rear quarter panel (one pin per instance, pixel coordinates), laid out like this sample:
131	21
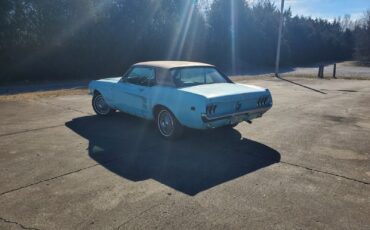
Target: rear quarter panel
180	103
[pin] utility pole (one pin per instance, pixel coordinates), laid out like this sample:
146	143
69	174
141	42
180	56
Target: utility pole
279	39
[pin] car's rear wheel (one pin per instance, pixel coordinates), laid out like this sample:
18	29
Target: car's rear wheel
100	106
167	124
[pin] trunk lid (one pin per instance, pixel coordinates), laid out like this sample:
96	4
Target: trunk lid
226	91
231	98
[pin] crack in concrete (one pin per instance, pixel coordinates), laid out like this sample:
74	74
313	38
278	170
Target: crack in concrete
65	107
55	126
48	179
65	174
16	223
30	130
315	170
327	173
112	160
139	214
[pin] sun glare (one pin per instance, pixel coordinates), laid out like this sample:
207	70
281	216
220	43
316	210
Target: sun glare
233	36
177	45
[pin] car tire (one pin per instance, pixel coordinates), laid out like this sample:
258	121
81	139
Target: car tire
167	124
99	105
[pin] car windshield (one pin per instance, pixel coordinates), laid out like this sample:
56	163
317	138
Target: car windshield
191	76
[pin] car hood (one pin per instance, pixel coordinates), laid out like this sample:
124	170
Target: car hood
224	90
111	80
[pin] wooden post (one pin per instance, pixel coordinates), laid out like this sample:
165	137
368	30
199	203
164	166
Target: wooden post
335	70
321	71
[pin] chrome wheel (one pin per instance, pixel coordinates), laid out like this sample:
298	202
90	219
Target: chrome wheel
100	106
165	123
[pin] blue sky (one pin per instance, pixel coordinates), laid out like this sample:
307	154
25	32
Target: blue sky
327	9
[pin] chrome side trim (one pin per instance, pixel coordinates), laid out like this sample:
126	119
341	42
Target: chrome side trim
206	118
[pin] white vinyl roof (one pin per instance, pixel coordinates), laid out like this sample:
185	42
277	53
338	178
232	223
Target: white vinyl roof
171	64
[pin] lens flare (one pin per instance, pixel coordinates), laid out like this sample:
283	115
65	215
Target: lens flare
177	45
233	28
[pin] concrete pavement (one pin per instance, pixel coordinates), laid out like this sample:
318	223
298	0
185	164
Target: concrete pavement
305	164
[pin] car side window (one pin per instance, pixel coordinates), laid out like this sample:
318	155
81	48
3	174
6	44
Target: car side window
144	76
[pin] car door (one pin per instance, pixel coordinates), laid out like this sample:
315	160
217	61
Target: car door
132	92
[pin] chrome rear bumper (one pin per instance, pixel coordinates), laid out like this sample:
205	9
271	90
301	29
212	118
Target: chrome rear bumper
261	111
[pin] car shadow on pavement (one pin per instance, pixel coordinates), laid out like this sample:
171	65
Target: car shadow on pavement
130	147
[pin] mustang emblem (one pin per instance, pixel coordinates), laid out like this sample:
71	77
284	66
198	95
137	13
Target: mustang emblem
238	106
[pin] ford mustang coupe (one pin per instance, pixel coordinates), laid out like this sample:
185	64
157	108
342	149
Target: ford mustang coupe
177	94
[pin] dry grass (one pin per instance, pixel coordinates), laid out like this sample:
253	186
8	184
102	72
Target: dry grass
355	63
327	77
248	77
295	75
43	94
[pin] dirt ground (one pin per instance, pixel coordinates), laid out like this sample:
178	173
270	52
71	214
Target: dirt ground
304	165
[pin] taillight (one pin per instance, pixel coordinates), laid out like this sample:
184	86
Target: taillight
262	101
211	109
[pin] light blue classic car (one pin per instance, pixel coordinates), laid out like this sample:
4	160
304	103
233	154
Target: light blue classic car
176	94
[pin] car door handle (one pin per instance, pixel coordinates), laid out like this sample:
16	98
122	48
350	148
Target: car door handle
141	90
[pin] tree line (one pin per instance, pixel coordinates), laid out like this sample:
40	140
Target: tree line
74	39
362	39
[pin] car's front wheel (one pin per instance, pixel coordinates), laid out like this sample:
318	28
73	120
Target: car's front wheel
100	106
167	124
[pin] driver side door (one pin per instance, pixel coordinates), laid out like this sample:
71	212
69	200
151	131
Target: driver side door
132	92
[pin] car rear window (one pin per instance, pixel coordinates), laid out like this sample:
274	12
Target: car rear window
191	76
